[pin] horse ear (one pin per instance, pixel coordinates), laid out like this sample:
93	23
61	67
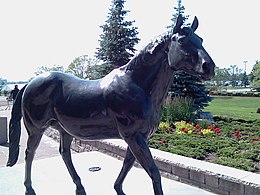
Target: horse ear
178	24
195	24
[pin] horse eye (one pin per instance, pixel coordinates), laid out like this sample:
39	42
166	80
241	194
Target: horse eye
173	38
181	41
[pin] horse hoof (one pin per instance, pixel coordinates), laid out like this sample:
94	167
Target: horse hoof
81	192
120	192
30	192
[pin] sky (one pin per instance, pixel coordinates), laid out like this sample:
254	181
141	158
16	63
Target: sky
38	33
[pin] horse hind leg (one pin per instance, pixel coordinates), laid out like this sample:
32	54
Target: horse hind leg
127	165
32	144
65	142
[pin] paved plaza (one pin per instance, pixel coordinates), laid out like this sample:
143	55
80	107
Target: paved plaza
51	177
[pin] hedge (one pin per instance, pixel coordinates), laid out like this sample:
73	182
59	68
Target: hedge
241	94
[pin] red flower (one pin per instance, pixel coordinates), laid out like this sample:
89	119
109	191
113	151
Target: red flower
236	133
216	130
195	133
163	140
170	132
254	139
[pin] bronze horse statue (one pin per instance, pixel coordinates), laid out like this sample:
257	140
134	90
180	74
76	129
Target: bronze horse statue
125	104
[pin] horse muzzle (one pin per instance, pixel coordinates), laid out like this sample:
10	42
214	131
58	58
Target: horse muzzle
207	70
206	66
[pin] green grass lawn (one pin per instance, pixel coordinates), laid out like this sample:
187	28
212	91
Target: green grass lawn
235	107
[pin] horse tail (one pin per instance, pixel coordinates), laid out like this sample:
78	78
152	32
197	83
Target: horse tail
15	129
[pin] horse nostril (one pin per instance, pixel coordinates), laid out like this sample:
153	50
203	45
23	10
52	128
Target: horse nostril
205	68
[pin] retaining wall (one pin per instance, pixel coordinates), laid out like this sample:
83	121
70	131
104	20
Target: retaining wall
215	178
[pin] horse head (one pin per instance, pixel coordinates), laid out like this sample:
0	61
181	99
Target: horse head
186	52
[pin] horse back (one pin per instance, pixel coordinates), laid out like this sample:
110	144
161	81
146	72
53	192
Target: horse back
62	94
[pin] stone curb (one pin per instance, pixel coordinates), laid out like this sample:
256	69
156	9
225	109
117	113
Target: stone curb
212	177
215	178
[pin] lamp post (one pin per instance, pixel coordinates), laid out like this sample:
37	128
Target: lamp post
245	61
245	77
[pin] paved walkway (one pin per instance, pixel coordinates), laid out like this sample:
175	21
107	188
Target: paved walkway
51	177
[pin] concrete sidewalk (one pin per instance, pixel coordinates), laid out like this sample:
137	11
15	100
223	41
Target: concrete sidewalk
50	177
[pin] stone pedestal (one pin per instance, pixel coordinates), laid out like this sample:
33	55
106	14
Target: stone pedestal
3	130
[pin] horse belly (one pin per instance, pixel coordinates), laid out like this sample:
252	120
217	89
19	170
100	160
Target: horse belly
91	128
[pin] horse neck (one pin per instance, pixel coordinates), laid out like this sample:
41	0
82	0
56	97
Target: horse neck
145	66
145	75
151	72
161	85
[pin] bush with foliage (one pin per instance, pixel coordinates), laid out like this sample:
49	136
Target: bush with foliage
177	108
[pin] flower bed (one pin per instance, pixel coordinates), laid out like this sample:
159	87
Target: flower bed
228	142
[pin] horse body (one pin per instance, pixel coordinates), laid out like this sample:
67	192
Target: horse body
124	104
69	102
87	109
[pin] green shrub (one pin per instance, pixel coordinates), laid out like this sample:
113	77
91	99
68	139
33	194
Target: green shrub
227	151
239	163
177	108
252	154
239	94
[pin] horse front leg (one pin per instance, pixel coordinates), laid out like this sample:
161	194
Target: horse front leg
127	165
65	142
140	149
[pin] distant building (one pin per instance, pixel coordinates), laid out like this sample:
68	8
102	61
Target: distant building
3	81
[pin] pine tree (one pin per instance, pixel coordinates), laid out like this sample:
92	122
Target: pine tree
179	10
187	85
256	76
119	37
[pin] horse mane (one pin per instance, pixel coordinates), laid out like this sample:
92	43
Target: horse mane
147	54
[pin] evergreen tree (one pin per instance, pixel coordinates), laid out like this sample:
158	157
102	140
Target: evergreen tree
179	10
119	37
256	75
187	85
